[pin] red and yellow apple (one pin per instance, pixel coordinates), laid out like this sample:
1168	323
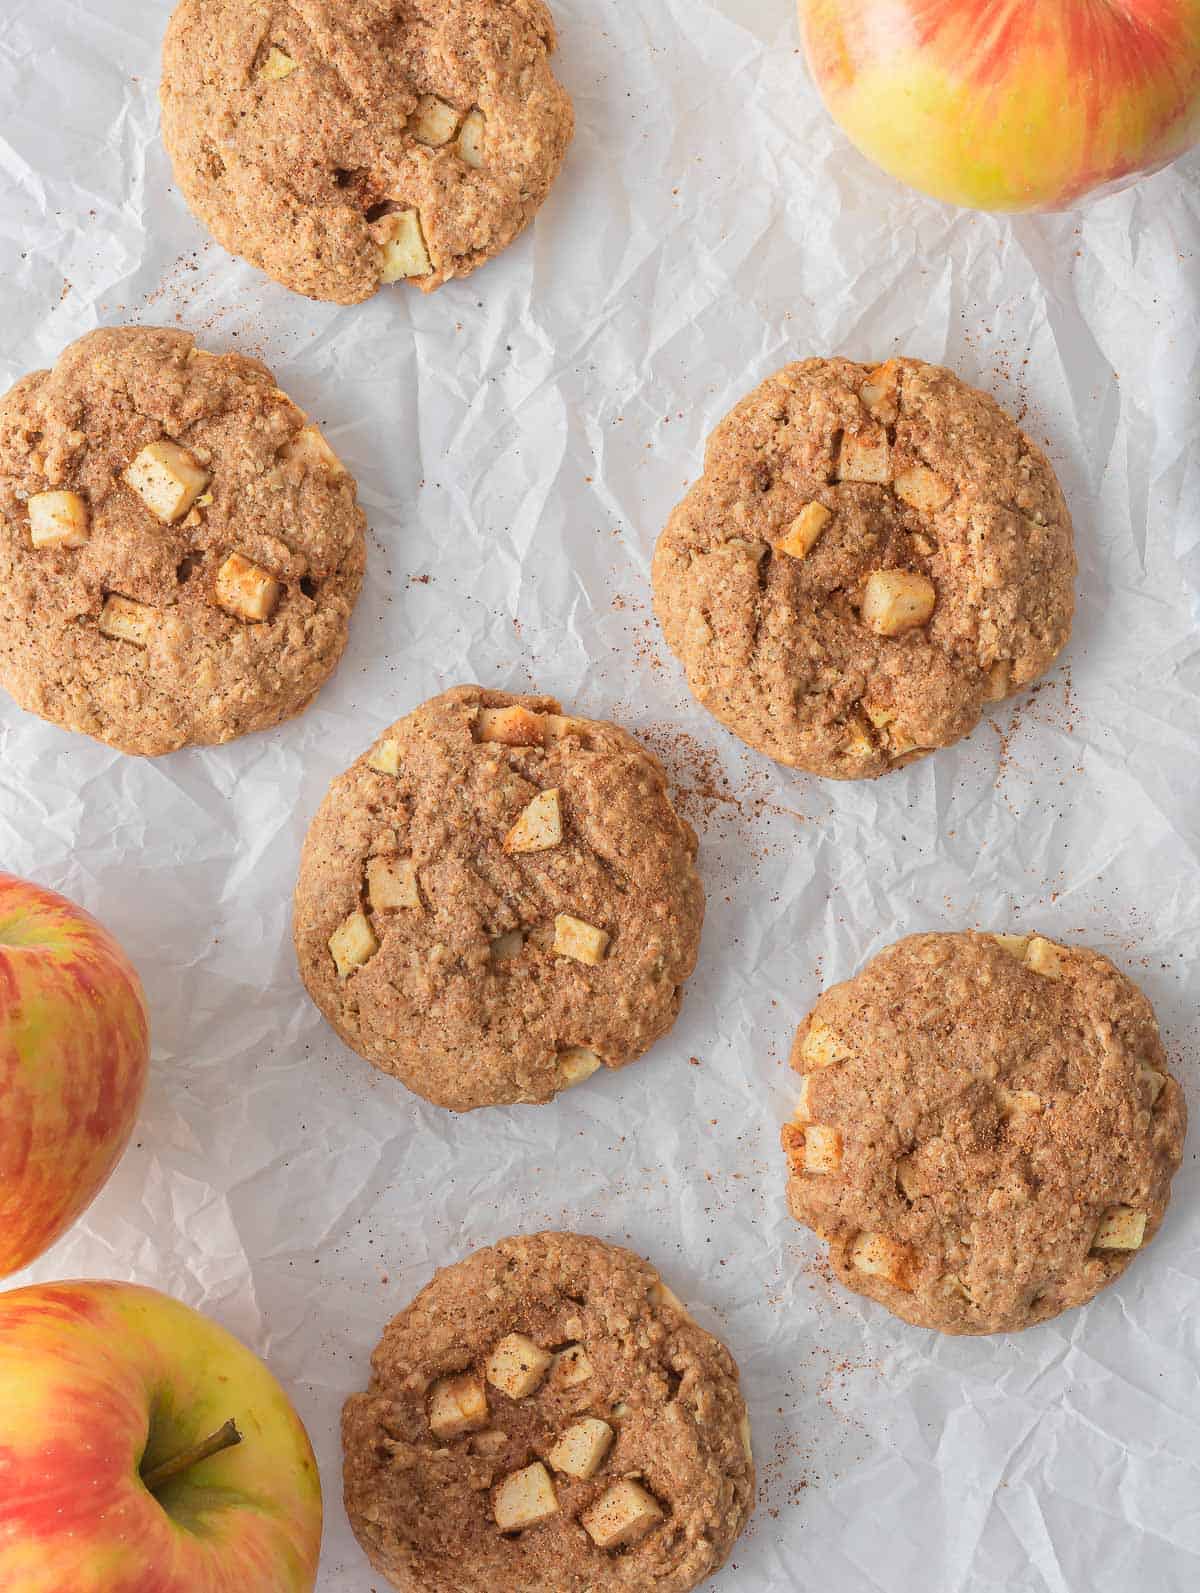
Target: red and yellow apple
1010	104
145	1450
74	1049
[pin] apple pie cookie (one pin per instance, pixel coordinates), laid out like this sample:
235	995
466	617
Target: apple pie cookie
986	1130
546	1417
180	551
872	555
498	899
341	145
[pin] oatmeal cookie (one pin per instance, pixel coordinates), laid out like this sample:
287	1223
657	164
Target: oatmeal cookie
987	1129
343	144
180	552
871	557
498	899
546	1417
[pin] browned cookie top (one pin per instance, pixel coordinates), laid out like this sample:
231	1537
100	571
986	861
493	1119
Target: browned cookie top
497	899
179	551
341	144
987	1130
545	1417
871	556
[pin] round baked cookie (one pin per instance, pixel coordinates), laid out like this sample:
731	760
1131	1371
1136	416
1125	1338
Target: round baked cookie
546	1417
180	552
343	144
872	555
497	899
987	1130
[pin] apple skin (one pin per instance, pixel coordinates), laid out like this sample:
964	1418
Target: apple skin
1010	104
94	1377
74	1052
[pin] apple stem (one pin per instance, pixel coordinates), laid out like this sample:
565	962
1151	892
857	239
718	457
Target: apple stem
204	1450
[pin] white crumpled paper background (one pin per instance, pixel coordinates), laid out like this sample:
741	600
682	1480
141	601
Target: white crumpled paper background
519	440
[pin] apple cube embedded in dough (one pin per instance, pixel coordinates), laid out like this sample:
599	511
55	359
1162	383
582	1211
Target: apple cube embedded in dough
517	1366
881	392
623	1515
385	759
392	883
822	1048
58	520
580	1452
470	139
457	1406
352	944
402	246
921	488
539	827
277	65
1121	1228
514	726
1154	1081
433	122
822	1148
1045	958
577	1063
245	590
999	681
525	1499
1015	945
804	531
575	938
123	620
897	601
309	447
572	1367
167	479
865	456
881	1257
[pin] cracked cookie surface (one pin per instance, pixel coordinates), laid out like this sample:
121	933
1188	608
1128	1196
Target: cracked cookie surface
872	555
180	552
987	1129
546	1417
343	144
498	899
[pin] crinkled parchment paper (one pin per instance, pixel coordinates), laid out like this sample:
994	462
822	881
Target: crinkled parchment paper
519	440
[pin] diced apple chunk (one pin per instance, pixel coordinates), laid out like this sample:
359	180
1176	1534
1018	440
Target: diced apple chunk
470	139
385	758
1015	945
352	944
123	620
392	883
525	1499
921	488
623	1515
1121	1228
822	1148
999	681
278	65
517	1366
433	122
514	726
580	1452
309	448
578	1064
865	456
245	590
1154	1081
167	479
457	1406
58	520
881	1257
403	252
881	392
1045	958
744	1434
539	827
897	601
804	1101
582	941
822	1047
804	531
572	1367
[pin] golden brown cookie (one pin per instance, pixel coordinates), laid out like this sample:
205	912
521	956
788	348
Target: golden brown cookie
344	144
872	555
180	552
546	1417
498	899
987	1130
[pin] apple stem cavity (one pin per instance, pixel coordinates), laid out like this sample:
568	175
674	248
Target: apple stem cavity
215	1444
